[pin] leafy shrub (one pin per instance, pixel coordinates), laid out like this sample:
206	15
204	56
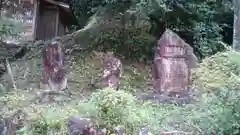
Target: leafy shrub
138	43
228	117
219	71
119	108
218	109
216	113
8	29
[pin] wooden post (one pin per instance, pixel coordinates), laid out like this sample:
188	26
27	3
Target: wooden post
0	4
1	8
9	71
35	19
57	22
66	30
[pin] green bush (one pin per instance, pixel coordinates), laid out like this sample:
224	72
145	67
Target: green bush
138	43
110	104
219	71
118	108
228	116
219	108
9	28
216	113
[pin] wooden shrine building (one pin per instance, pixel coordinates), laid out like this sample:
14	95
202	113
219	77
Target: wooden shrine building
50	18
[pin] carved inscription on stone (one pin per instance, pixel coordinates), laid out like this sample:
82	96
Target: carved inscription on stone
173	61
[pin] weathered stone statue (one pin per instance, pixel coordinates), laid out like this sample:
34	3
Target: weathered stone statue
172	65
112	70
55	72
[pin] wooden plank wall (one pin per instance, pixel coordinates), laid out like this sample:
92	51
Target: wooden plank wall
47	21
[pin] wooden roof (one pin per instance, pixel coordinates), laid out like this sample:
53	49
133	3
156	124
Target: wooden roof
22	1
64	8
54	2
58	3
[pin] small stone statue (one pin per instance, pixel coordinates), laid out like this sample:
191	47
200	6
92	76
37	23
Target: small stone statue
112	70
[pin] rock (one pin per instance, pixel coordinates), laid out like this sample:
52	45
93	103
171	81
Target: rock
50	96
80	126
159	98
102	131
174	133
3	127
119	131
144	131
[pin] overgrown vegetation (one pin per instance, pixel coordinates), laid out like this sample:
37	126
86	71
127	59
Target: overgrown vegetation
219	71
200	22
136	40
215	111
212	114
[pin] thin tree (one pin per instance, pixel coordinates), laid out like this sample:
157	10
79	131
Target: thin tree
236	29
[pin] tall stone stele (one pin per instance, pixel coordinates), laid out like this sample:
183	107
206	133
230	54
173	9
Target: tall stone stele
54	70
173	62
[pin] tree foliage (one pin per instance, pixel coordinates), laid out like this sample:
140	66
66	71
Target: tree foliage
84	9
13	7
199	22
194	20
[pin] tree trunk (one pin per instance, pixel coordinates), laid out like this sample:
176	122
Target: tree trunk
236	30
